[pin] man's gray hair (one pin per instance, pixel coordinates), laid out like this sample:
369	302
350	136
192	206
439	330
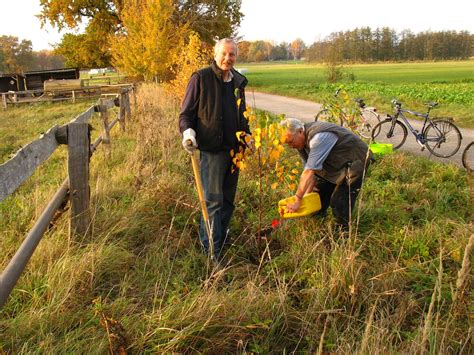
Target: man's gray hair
292	124
220	42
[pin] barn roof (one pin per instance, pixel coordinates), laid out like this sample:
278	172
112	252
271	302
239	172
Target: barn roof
9	75
63	70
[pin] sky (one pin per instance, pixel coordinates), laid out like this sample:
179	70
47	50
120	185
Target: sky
286	20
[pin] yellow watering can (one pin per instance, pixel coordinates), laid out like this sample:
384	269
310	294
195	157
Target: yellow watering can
310	203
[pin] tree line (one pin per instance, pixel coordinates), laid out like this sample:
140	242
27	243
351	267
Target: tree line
385	44
18	56
366	45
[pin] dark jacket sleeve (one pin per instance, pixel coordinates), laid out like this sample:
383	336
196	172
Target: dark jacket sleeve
190	105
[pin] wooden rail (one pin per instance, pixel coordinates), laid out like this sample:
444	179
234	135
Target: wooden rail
33	96
76	134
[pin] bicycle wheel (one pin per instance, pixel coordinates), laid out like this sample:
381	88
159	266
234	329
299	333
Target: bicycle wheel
326	116
468	158
442	138
369	119
389	132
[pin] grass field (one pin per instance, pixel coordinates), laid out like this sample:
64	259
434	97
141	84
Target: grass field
449	83
21	124
401	283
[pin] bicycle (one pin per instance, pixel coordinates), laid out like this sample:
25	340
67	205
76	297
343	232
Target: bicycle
361	120
440	136
468	157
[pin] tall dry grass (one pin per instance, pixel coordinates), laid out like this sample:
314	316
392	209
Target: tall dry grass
141	282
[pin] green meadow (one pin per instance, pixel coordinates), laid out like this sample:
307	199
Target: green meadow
24	123
449	83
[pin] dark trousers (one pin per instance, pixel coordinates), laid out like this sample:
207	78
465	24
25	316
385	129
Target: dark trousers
220	186
340	197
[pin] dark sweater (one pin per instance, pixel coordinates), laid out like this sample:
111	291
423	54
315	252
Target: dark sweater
203	108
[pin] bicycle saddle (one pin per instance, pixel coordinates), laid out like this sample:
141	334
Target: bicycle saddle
431	104
360	102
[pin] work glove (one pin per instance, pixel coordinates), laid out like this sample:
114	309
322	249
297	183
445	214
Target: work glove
189	140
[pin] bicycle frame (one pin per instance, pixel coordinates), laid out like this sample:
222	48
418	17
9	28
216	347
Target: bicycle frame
426	116
434	134
341	111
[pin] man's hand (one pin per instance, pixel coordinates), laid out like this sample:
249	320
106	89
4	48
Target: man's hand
293	207
189	140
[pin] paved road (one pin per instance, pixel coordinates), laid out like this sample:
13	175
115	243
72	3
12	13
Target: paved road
305	110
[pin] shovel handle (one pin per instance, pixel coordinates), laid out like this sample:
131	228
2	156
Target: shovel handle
202	200
200	189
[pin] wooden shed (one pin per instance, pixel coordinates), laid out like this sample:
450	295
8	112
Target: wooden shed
34	79
12	82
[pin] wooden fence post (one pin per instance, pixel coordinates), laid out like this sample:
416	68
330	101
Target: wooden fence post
134	95
78	170
127	105
4	100
121	115
104	115
73	96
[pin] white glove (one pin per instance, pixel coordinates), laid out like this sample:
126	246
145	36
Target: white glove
189	140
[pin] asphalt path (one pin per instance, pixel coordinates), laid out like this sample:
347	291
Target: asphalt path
306	110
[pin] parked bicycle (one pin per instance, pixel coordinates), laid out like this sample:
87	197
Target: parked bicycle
360	120
468	157
440	136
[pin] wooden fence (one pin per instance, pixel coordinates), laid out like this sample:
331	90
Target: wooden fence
33	96
75	188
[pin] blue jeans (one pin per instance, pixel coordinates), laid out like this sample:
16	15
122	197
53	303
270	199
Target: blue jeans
220	186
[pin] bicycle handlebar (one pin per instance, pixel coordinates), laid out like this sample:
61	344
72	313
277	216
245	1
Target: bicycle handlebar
360	102
396	103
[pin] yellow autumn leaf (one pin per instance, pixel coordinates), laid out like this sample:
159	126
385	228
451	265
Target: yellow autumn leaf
274	185
282	132
238	102
271	130
274	155
239	135
292	186
295	171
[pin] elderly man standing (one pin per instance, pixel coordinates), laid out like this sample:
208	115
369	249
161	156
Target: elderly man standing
334	162
211	114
